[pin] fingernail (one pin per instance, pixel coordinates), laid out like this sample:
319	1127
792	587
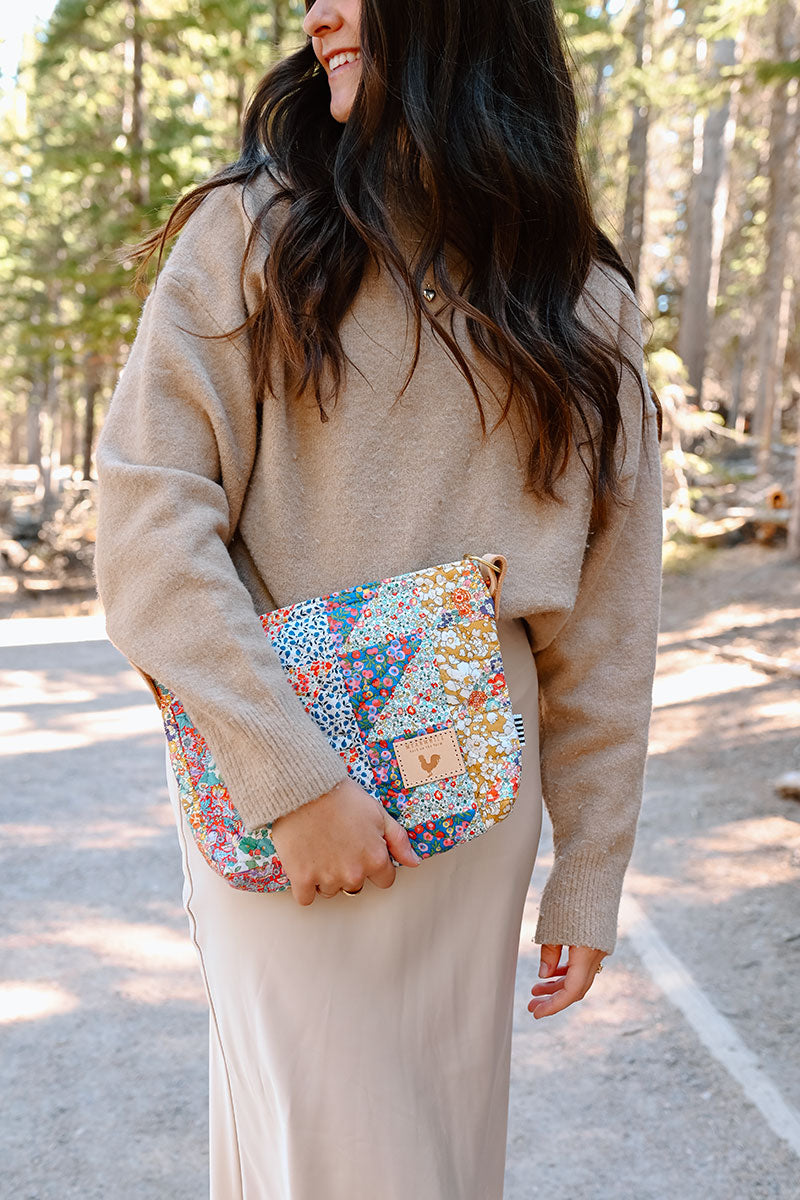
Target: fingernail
543	970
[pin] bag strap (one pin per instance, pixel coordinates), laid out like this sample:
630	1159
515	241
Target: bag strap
493	568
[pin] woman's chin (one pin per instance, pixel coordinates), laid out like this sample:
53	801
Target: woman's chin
341	103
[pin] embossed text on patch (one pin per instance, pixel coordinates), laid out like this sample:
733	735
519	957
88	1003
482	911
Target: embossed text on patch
428	757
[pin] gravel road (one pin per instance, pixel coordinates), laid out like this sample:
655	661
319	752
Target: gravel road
677	1076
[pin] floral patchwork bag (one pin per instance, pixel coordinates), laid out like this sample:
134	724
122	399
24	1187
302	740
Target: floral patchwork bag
405	677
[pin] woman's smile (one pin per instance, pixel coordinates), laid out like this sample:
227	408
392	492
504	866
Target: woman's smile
327	23
342	60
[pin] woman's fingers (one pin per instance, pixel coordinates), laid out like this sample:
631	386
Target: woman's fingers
545	988
338	841
375	865
549	958
397	840
556	972
575	978
303	890
327	895
383	876
566	993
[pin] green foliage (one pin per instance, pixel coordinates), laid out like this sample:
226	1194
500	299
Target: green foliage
94	152
85	175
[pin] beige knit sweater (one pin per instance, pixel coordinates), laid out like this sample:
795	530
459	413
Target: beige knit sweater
203	523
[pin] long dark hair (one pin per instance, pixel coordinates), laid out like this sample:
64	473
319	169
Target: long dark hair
468	109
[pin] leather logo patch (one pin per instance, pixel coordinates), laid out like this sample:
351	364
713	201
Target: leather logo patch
428	757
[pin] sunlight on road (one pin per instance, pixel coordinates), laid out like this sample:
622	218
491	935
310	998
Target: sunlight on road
686	680
100	835
25	688
21	735
151	965
31	1001
682	684
135	946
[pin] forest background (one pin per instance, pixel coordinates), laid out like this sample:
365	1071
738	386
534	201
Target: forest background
690	133
690	130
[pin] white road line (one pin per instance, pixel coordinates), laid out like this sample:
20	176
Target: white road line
714	1030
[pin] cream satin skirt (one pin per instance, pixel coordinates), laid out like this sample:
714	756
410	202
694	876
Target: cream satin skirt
360	1047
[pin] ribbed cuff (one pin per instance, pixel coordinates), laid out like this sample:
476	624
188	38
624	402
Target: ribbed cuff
272	764
580	900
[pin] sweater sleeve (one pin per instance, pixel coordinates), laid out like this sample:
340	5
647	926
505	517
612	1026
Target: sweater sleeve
173	461
595	686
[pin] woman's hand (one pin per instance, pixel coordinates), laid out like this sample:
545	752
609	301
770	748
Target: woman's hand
338	841
572	980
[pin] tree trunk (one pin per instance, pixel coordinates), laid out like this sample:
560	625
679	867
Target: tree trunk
634	214
133	109
67	446
16	426
239	39
92	388
278	23
591	150
707	205
782	174
49	460
794	518
32	436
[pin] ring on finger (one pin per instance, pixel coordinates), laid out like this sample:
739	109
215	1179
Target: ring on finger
327	895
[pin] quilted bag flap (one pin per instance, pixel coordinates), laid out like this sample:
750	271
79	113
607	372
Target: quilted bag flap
405	677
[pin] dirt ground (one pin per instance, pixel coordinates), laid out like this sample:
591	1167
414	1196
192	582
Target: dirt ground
715	869
620	1097
718	853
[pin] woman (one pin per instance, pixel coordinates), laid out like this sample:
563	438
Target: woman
279	432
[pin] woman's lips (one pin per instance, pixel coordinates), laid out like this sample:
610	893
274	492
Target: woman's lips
343	66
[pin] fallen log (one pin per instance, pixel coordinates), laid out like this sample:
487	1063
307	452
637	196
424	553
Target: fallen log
744	524
759	514
728	531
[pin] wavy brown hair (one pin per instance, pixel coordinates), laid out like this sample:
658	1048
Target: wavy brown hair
467	108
